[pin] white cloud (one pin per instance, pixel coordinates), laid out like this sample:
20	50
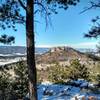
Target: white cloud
84	45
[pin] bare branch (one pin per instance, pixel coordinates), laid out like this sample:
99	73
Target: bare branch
40	4
43	9
36	11
86	9
93	5
21	3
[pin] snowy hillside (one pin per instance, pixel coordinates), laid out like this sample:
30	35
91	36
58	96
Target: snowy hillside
49	91
63	92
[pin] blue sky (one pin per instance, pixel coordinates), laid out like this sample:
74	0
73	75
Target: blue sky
68	28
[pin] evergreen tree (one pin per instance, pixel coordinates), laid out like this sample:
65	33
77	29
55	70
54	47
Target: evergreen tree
58	73
78	71
20	84
14	87
11	14
94	31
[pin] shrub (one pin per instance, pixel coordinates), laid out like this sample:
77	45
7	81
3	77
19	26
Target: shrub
14	87
77	70
58	73
5	86
20	83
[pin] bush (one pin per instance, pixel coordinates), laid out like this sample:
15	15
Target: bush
78	71
12	88
20	84
98	78
60	74
6	88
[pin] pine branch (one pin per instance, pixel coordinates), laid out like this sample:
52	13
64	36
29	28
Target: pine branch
21	3
93	5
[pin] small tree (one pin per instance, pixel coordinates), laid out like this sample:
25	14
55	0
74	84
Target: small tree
77	70
6	88
20	83
15	87
58	73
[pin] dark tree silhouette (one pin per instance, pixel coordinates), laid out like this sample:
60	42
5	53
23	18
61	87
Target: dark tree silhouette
11	13
95	29
5	39
94	32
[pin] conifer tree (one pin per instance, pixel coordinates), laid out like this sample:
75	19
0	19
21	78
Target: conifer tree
11	14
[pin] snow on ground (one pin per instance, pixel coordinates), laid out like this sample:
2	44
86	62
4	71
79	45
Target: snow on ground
12	55
62	92
10	61
49	91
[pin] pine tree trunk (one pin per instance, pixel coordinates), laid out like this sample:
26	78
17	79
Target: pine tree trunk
31	51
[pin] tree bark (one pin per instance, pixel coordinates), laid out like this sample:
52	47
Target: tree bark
31	50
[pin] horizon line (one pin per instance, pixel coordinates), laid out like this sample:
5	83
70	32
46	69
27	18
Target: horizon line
83	45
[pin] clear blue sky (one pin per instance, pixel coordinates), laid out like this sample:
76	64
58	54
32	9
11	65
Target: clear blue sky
68	28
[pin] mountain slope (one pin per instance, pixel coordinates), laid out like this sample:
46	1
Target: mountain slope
62	54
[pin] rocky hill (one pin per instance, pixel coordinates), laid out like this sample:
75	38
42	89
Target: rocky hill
63	54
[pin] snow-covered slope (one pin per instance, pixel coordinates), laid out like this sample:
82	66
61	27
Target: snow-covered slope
50	91
63	92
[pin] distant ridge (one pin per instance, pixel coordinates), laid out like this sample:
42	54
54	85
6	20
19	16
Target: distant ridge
63	54
39	50
12	49
19	50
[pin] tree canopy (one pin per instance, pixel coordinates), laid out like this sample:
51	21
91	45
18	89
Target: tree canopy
11	11
94	31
